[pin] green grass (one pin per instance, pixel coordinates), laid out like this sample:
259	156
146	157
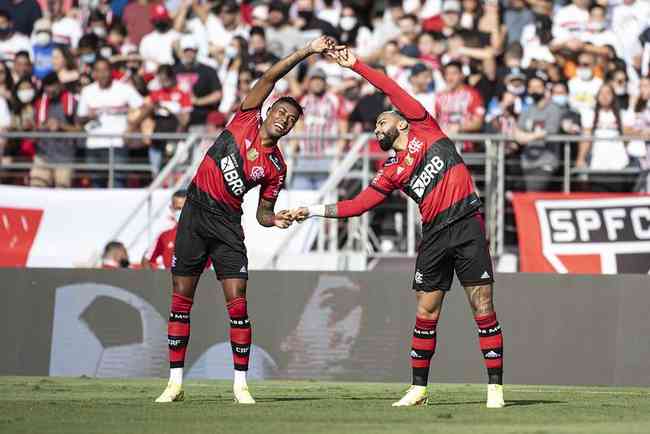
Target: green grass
82	405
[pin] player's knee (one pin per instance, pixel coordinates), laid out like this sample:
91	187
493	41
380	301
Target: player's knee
481	300
234	288
427	312
184	286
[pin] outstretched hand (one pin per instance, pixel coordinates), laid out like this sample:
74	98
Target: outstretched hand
322	44
342	55
300	214
283	219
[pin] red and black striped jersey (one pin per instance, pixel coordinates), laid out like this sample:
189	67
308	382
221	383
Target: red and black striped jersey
236	163
432	173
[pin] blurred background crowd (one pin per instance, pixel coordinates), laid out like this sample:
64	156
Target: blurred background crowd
529	69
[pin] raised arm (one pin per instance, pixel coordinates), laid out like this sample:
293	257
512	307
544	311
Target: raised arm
405	103
264	86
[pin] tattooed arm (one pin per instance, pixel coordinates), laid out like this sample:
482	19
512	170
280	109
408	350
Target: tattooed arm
268	218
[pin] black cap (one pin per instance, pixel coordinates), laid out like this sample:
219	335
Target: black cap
418	68
539	75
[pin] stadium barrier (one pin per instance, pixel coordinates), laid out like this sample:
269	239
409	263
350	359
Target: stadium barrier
558	329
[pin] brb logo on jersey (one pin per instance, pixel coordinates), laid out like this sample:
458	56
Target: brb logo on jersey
433	167
229	167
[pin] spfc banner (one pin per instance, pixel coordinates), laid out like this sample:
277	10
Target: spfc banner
583	232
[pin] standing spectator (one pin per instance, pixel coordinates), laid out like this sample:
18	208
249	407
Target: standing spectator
260	58
282	38
421	86
23	67
570	24
172	107
200	80
629	19
43	48
448	22
310	24
156	48
23	14
66	28
459	108
539	160
198	20
598	38
640	124
605	122
161	254
55	112
354	33
103	109
136	18
64	65
230	25
115	256
11	42
584	86
323	115
570	121
515	17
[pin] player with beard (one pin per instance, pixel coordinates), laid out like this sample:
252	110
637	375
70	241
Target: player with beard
425	165
244	156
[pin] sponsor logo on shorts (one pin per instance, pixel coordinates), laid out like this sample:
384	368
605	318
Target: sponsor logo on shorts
229	166
433	167
418	277
485	275
257	173
243	269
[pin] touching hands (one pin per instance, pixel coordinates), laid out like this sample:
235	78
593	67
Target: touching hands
342	55
283	219
322	44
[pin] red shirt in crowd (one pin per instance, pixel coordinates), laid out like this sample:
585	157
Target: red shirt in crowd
173	99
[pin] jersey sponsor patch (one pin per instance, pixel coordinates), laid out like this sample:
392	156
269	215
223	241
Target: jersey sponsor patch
433	167
391	160
276	162
229	167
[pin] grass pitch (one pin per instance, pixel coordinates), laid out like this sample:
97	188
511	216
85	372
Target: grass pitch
70	406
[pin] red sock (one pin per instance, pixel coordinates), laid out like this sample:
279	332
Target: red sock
423	345
178	329
240	333
491	343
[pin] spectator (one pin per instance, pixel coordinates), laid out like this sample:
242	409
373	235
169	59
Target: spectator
536	39
282	38
421	86
200	80
430	49
260	58
198	20
23	67
323	115
103	109
97	24
515	18
136	18
330	11
641	123
55	112
483	21
171	111
117	36
66	28
11	42
570	24
230	25
584	86
539	159
43	48
515	85
570	121
161	254
353	32
235	60
23	14
459	108
64	65
87	52
605	122
5	118
156	48
6	82
243	86
115	256
618	80
629	19
448	22
309	24
409	30
598	38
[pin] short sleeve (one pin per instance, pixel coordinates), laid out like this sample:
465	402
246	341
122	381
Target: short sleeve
134	99
83	110
476	104
186	102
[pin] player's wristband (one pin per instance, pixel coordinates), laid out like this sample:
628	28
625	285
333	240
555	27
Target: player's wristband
316	210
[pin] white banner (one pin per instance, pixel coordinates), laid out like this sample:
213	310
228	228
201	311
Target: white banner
69	228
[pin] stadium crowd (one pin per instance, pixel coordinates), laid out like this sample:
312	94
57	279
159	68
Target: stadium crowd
525	68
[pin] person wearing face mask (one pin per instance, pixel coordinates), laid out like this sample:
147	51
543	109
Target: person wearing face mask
161	253
353	33
97	25
584	86
618	79
22	114
539	159
157	47
115	256
11	42
55	112
43	48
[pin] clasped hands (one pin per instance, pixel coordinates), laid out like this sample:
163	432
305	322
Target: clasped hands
285	218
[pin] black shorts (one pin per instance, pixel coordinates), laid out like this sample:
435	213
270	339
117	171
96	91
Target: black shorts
460	247
203	234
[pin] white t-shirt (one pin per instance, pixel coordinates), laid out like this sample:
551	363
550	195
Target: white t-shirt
569	22
628	21
606	154
111	106
67	31
8	49
582	94
601	39
157	49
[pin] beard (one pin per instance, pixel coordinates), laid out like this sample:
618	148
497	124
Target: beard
386	142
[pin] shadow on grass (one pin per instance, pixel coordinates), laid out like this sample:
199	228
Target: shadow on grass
509	403
289	399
